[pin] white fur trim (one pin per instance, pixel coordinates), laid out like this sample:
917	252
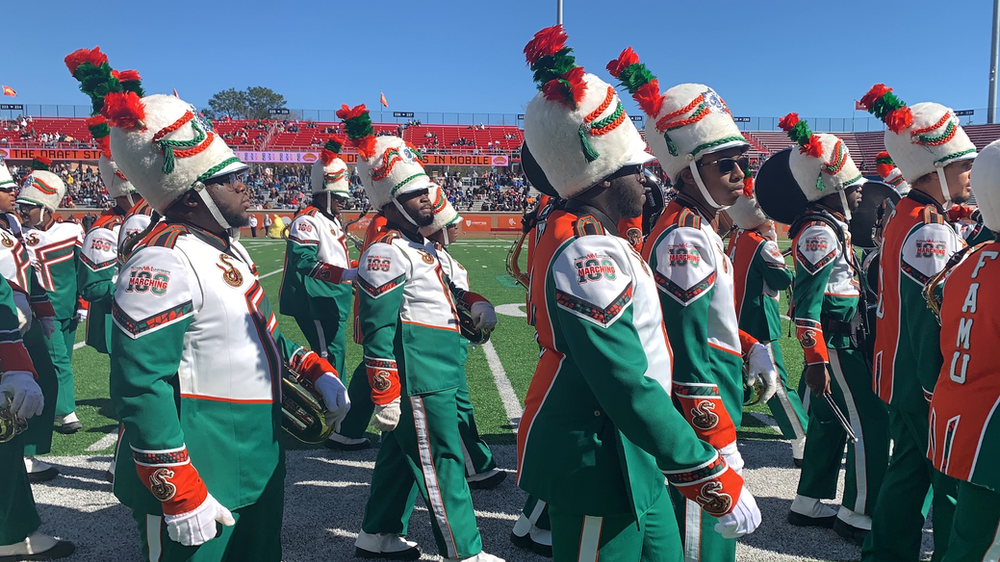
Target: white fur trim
407	174
5	177
698	138
808	170
552	130
916	160
746	213
319	171
986	184
31	192
116	186
142	161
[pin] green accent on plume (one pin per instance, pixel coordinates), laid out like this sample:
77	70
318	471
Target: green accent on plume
100	131
635	76
332	146
552	67
882	106
359	127
588	151
800	133
884	160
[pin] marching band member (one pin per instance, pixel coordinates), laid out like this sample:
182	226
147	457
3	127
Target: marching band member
829	326
196	351
19	521
935	157
760	273
691	132
54	247
411	344
597	413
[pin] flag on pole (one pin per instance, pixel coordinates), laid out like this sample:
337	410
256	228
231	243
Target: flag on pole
385	103
175	93
859	107
8	91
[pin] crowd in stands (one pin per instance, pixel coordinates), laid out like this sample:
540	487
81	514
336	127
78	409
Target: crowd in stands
22	129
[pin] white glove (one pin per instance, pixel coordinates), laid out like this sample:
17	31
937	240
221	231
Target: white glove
742	520
81	315
198	527
335	397
387	416
24	314
760	366
483	315
349	275
48	324
27	399
732	457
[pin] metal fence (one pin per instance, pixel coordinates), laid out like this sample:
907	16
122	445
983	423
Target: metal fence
860	121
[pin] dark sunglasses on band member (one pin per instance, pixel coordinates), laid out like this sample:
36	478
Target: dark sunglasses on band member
727	165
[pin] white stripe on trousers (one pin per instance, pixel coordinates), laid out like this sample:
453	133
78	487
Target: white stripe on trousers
470	469
536	512
860	468
153	523
321	336
430	474
692	531
590	538
786	405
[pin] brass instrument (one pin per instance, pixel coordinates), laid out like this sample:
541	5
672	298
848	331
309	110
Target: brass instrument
358	243
10	425
751	393
302	409
513	254
465	325
933	301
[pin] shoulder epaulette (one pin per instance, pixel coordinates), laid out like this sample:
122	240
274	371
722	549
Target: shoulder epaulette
387	237
167	237
689	218
107	221
588	225
932	216
309	211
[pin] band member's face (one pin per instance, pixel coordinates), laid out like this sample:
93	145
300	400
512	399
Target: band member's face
31	215
854	195
7	200
722	175
417	204
959	183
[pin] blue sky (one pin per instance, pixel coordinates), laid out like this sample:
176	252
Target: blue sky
765	58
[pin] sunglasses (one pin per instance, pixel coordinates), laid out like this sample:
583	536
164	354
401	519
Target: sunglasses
8	189
231	179
727	165
624	172
24	208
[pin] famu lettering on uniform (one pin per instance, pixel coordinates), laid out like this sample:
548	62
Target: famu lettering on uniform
594	267
931	249
960	359
684	254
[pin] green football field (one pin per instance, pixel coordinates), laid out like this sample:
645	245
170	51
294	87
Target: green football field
512	349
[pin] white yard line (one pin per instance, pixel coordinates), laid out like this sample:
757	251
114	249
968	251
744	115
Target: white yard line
510	402
78	345
272	273
766	420
104	442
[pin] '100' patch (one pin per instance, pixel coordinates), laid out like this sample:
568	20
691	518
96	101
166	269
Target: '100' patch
931	249
378	263
148	279
594	267
682	255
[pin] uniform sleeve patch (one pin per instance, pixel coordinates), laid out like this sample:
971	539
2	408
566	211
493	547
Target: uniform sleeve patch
590	279
303	231
136	328
99	250
153	290
381	269
602	316
772	255
927	250
817	246
685	265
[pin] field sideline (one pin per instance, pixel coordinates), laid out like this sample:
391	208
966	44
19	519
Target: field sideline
499	374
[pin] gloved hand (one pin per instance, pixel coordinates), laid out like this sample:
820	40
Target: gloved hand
198	527
349	275
81	315
24	313
484	317
742	520
767	230
27	399
732	457
386	416
335	397
48	324
760	367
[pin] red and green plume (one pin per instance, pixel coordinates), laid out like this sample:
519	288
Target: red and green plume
882	103
97	79
884	164
124	110
800	134
101	132
332	148
359	128
41	163
638	80
555	70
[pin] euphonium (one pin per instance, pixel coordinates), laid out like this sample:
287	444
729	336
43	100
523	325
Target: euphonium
358	243
933	300
513	268
10	425
302	409
751	393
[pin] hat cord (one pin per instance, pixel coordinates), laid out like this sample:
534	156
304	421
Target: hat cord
693	165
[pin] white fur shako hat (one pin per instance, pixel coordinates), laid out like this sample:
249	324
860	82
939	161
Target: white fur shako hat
683	124
41	186
576	126
388	166
921	138
445	214
822	165
6	180
329	173
986	184
891	174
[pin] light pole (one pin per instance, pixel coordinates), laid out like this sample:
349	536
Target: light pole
559	22
992	107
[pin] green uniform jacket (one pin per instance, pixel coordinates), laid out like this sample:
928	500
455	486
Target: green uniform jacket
760	274
315	255
99	258
55	256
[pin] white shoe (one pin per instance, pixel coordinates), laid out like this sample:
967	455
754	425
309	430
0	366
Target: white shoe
812	507
530	537
68	423
37	544
39	471
481	557
385	545
337	441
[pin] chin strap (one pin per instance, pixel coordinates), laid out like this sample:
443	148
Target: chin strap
843	203
693	165
131	202
444	233
206	197
404	213
943	181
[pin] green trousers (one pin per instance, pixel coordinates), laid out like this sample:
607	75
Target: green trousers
328	337
256	537
975	535
786	406
424	453
701	542
18	516
38	436
537	512
851	386
360	393
585	538
60	347
898	521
